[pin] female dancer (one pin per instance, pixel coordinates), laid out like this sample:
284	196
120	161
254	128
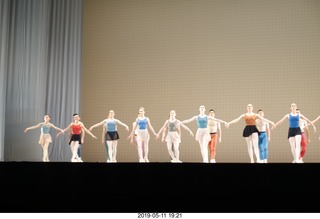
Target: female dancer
140	156
173	136
294	132
264	137
45	137
79	158
142	124
111	135
250	131
76	138
203	135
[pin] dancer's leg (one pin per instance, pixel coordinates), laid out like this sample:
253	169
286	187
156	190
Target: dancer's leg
107	151
249	148
146	150
169	148
297	143
45	156
140	150
292	148
115	144
255	142
303	146
110	150
176	151
204	150
212	144
74	150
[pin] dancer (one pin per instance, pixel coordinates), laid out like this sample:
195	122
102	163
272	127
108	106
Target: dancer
140	155
264	137
250	132
215	134
111	134
173	136
76	128
202	134
142	124
305	136
294	132
80	145
45	137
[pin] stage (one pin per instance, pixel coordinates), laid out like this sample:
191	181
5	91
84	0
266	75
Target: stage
159	187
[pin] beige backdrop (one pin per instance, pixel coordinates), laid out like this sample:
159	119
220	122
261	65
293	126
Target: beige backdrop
180	54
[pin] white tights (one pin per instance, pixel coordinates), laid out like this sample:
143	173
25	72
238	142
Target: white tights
252	144
295	147
45	154
174	154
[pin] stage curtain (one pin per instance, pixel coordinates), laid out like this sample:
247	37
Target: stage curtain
40	74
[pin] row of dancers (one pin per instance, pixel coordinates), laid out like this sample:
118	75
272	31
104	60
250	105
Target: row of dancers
208	134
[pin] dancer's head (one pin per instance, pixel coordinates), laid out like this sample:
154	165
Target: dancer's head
141	111
47	118
111	114
172	114
76	117
260	112
293	107
212	112
202	109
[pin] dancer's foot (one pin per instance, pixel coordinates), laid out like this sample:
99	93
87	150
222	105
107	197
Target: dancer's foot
79	160
74	160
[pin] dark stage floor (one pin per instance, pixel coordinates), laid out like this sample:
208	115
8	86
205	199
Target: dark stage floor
159	187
